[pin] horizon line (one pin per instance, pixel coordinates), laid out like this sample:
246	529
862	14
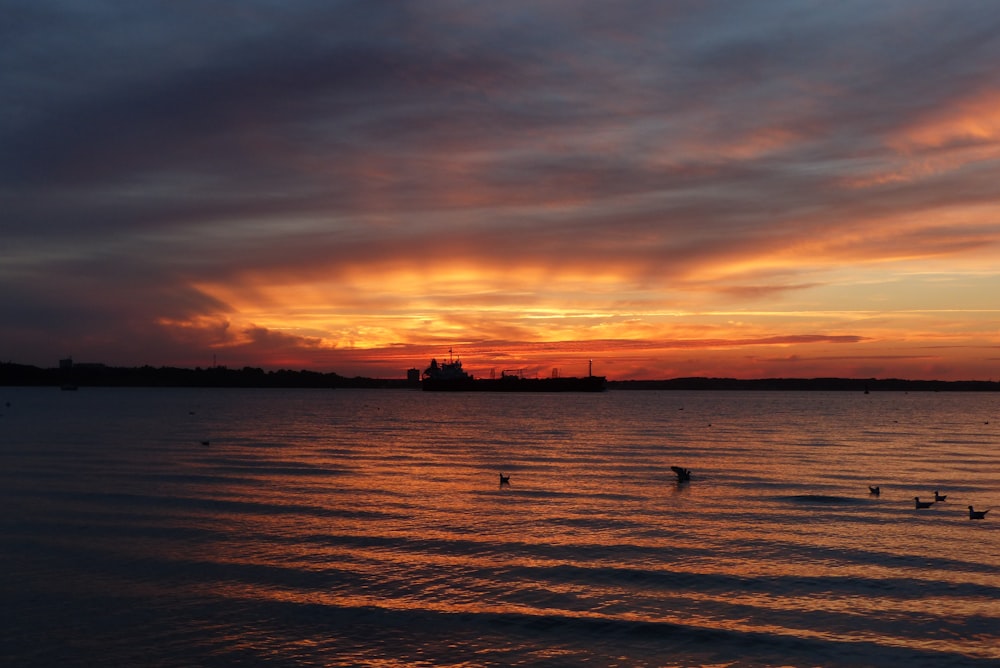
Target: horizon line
404	378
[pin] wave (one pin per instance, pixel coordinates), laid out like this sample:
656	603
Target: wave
219	632
823	499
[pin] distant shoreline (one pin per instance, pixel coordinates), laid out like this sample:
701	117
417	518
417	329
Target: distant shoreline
810	384
99	375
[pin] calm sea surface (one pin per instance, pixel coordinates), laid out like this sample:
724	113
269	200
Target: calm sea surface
369	528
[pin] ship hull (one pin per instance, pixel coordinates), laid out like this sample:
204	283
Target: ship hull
516	384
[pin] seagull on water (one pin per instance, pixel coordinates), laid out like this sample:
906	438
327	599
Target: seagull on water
683	474
939	497
504	479
874	490
921	504
978	514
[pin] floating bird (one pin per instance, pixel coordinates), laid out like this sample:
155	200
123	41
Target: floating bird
874	490
206	442
504	479
939	497
978	514
683	474
921	504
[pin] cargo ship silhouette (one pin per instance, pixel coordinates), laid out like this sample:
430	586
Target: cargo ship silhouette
451	377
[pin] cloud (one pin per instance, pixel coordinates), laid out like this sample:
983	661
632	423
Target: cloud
474	165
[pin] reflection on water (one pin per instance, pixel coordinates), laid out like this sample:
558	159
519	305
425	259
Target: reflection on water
368	527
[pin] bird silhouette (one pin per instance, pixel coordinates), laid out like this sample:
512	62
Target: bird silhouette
978	514
874	490
921	504
504	479
683	474
939	497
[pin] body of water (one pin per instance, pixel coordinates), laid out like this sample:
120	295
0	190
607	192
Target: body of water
179	527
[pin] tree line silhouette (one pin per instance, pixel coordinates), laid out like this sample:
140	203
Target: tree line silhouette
99	375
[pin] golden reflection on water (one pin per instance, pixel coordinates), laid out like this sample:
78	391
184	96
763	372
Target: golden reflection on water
417	502
353	509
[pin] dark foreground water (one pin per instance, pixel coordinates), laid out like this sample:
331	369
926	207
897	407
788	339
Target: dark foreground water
368	528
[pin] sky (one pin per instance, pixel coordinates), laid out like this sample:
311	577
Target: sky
782	188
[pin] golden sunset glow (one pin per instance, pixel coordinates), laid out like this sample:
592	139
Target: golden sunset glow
702	197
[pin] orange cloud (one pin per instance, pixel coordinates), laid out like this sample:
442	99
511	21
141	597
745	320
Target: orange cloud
975	119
